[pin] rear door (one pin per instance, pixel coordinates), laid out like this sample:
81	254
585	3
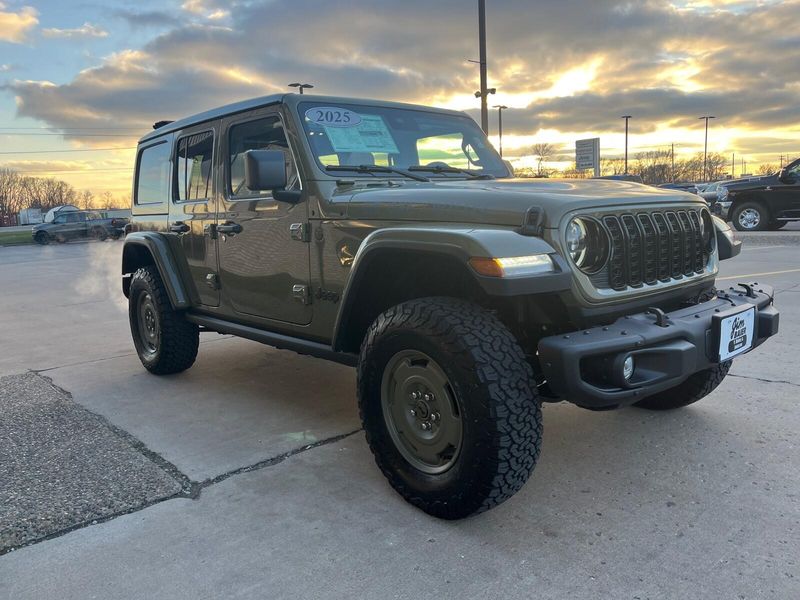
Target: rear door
264	268
193	208
786	194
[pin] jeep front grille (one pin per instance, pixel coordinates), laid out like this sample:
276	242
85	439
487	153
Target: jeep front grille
655	246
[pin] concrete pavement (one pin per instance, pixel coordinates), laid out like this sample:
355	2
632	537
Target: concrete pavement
701	502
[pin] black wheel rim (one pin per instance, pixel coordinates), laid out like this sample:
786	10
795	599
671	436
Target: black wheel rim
147	321
421	412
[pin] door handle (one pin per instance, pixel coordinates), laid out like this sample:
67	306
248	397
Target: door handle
179	227
229	227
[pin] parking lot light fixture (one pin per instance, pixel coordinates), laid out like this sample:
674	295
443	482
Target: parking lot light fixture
301	86
705	147
500	108
627	118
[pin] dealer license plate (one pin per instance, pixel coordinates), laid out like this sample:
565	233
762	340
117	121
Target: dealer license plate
736	334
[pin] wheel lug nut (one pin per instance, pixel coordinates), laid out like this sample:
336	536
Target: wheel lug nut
414	395
425	426
412	412
435	417
428	397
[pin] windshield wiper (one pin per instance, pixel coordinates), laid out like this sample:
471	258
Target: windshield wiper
439	169
375	169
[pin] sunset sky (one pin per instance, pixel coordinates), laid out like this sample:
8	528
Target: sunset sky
81	78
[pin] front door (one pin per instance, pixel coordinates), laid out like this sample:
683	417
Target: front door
787	192
193	208
263	265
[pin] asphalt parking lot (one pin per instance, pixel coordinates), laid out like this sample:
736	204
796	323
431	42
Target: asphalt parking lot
247	476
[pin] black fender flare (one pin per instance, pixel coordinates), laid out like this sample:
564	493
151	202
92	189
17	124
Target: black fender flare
165	252
461	244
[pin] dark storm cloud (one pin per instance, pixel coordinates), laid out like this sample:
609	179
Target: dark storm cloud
147	18
417	51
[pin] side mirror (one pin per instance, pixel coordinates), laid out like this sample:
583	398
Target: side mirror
727	245
785	176
264	170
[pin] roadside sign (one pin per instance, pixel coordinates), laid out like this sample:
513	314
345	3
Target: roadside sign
587	155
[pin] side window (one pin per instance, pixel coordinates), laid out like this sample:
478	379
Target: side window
195	166
73	217
261	134
152	175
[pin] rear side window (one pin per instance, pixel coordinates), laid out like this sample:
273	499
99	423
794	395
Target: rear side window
152	175
195	166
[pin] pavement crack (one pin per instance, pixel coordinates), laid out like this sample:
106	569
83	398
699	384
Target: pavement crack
269	462
189	489
763	380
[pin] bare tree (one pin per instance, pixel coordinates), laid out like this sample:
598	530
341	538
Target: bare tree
543	151
85	200
767	169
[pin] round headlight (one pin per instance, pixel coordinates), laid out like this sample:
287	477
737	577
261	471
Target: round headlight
587	244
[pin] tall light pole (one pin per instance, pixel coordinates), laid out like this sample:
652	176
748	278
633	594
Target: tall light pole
482	58
672	160
705	148
500	108
626	117
301	86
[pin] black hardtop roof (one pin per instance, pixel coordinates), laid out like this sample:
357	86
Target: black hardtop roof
288	98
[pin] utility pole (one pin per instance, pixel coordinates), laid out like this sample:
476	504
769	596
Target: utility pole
482	58
733	165
781	161
672	157
500	108
626	117
705	148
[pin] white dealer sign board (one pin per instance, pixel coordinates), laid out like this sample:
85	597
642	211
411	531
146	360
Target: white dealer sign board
587	155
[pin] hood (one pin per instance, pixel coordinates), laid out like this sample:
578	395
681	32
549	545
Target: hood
738	185
500	201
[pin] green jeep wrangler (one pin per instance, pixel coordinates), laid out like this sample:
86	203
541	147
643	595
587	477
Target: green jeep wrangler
393	238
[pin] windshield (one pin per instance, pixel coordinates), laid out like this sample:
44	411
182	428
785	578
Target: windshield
444	146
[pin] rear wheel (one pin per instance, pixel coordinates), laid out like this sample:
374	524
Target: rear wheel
449	406
99	234
695	388
751	216
165	341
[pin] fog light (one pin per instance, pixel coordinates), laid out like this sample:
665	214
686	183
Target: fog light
627	368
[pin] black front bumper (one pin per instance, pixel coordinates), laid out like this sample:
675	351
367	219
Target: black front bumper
584	367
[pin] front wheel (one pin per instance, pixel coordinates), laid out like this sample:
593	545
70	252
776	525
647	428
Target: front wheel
165	341
695	388
449	406
751	216
42	238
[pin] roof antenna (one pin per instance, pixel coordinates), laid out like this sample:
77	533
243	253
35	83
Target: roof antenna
159	124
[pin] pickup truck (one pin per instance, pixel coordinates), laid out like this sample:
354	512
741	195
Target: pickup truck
762	203
78	224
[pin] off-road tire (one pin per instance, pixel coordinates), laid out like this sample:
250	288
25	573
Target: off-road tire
764	222
493	386
695	388
178	338
42	238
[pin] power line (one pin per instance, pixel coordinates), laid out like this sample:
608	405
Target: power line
72	128
65	134
87	171
79	150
